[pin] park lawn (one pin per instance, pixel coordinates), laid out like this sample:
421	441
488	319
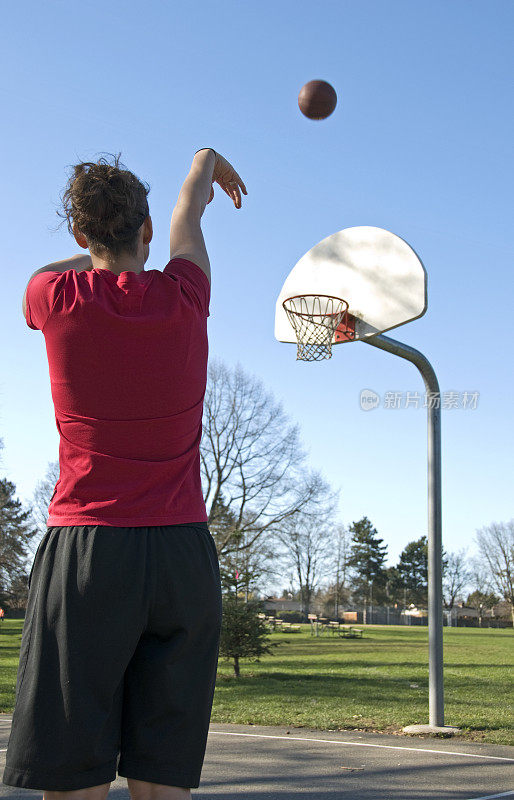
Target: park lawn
327	683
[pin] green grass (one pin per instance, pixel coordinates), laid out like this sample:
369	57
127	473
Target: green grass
364	684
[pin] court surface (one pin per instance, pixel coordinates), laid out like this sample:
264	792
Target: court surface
259	763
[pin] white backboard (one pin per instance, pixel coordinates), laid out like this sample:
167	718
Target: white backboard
376	272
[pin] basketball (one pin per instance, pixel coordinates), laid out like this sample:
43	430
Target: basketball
317	99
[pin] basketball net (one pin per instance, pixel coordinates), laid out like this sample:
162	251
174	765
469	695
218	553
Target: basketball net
315	318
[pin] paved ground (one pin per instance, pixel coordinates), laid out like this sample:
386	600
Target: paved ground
261	763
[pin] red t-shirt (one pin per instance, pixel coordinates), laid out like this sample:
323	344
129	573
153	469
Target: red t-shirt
127	358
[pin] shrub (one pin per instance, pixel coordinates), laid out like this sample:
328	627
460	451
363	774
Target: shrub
291	616
243	633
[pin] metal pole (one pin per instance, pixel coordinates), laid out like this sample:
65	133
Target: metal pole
435	592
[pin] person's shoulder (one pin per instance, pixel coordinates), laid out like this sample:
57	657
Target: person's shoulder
194	282
181	264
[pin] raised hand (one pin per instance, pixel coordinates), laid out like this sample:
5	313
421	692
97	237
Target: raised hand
225	175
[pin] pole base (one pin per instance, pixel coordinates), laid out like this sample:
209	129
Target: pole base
446	730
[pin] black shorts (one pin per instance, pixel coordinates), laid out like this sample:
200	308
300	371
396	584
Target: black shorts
118	658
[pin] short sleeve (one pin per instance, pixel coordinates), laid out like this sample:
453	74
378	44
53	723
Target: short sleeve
41	293
193	281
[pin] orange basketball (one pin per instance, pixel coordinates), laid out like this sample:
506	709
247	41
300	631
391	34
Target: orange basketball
317	99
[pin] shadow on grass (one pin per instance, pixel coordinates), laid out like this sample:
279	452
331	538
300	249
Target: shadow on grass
10	652
308	677
364	664
360	689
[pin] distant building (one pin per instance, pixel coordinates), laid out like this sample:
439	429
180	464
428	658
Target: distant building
413	611
281	604
463	615
502	610
460	614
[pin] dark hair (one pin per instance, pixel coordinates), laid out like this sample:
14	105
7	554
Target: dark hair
108	205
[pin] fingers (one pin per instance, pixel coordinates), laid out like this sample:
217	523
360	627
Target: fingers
240	182
232	178
230	181
237	192
233	192
237	197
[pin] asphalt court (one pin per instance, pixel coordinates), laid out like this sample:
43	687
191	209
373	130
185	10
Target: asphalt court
259	763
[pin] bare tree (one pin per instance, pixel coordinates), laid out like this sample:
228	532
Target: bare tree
251	456
337	564
455	577
248	569
479	579
479	584
307	539
42	496
496	546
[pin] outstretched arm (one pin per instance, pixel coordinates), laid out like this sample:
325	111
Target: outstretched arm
186	237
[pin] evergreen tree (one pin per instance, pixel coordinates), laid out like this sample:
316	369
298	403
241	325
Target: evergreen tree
481	602
367	559
393	587
16	532
413	573
243	633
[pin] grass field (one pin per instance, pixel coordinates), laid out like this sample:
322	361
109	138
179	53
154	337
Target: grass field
378	683
366	684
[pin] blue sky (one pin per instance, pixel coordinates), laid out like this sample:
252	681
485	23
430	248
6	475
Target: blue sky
420	144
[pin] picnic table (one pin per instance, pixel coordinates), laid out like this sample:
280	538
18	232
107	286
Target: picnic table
321	626
283	625
269	620
279	624
288	626
349	632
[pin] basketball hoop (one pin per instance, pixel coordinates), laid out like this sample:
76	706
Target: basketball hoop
315	319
